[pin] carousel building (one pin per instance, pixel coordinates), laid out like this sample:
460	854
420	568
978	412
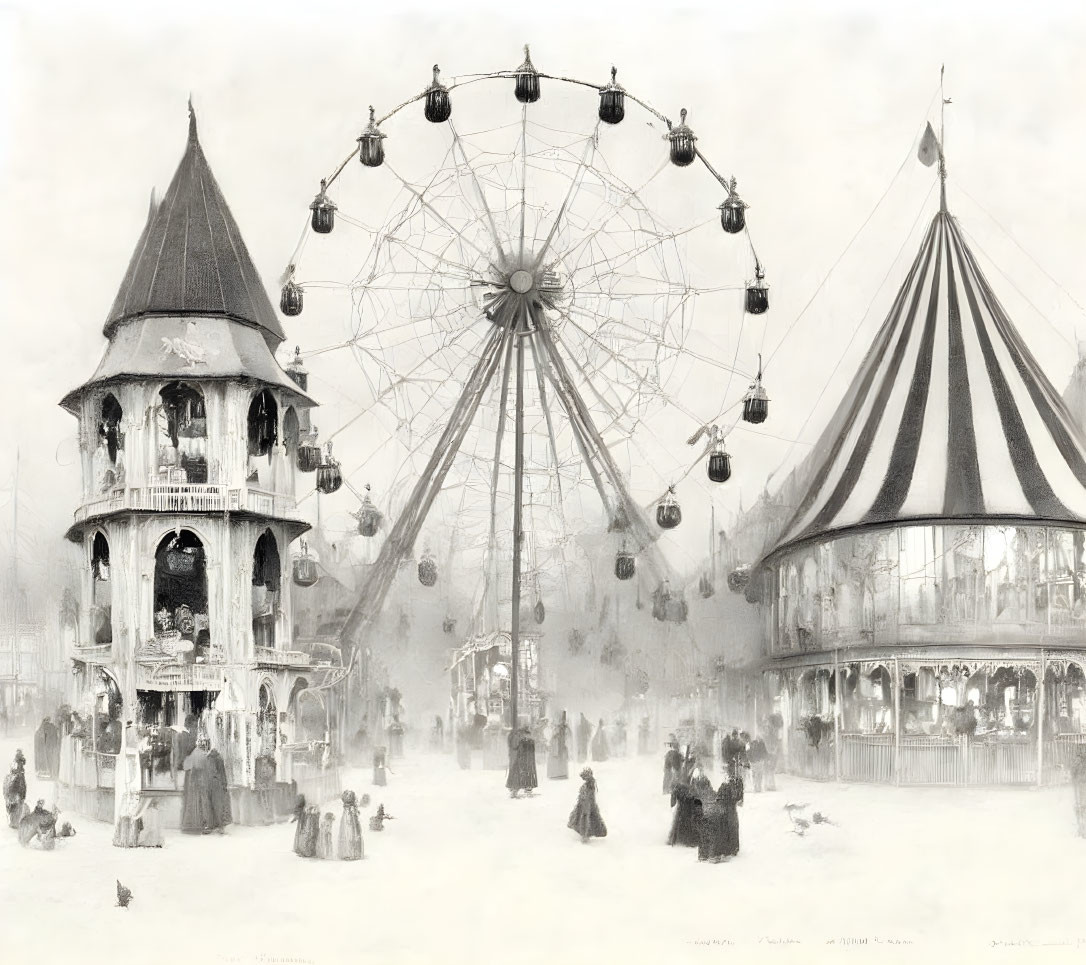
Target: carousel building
189	431
925	602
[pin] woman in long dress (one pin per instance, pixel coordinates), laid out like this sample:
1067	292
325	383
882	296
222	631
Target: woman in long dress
299	820
585	818
600	749
149	823
350	829
197	815
219	790
522	773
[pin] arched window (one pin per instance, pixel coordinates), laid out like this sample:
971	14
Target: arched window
267	721
263	424
267	575
100	557
181	591
182	444
109	427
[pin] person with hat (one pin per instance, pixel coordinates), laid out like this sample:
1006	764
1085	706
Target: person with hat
673	763
585	818
522	774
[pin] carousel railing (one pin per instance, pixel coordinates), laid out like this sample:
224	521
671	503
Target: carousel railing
1058	752
932	760
1011	760
867	758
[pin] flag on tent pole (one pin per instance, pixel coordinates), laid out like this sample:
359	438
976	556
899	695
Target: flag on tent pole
929	147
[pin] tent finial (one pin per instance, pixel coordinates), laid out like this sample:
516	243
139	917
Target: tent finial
192	121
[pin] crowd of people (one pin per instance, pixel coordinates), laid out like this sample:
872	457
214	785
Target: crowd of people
314	836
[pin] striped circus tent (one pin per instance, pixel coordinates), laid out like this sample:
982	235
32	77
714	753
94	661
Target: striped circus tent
949	419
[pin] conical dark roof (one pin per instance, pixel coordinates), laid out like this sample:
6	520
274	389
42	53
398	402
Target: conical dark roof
950	417
191	259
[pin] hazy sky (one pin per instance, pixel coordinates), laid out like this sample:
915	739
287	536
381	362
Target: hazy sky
816	107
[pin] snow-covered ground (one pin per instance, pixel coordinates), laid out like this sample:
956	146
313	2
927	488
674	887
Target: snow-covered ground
464	874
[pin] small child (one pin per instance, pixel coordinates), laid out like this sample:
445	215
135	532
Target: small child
325	849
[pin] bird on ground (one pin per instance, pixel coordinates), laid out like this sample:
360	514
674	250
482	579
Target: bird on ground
794	807
124	896
800	825
819	818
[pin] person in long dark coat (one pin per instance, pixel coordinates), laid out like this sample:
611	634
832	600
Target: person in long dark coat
714	837
350	829
585	818
219	790
730	798
673	764
584	735
522	773
15	790
734	751
558	760
197	813
600	749
41	767
308	831
298	819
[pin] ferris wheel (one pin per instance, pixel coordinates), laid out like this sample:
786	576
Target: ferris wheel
522	317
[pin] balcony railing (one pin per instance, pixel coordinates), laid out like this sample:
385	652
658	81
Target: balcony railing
270	657
172	676
95	653
190	498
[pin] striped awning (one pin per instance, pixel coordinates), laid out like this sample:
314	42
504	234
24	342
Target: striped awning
949	418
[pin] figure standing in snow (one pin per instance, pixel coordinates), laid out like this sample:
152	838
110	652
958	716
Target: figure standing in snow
759	758
734	751
584	735
522	773
730	798
380	766
600	748
558	760
325	845
15	790
350	829
585	818
218	788
673	763
196	811
719	839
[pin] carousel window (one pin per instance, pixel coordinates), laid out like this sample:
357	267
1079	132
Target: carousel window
267	573
180	594
109	427
182	447
263	424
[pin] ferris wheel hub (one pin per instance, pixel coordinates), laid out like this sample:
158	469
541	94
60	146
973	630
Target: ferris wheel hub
521	281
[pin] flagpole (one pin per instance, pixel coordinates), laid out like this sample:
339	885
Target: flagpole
942	142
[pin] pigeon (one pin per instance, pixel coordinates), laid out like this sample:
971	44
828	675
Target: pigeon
124	896
819	818
794	807
800	826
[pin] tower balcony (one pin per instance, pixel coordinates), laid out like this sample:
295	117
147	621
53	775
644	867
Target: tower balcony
189	498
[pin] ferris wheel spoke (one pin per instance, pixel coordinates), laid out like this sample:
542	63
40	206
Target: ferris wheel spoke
630	195
494	235
570	195
523	175
441	218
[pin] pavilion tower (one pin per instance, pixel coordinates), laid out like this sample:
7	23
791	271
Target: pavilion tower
188	431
